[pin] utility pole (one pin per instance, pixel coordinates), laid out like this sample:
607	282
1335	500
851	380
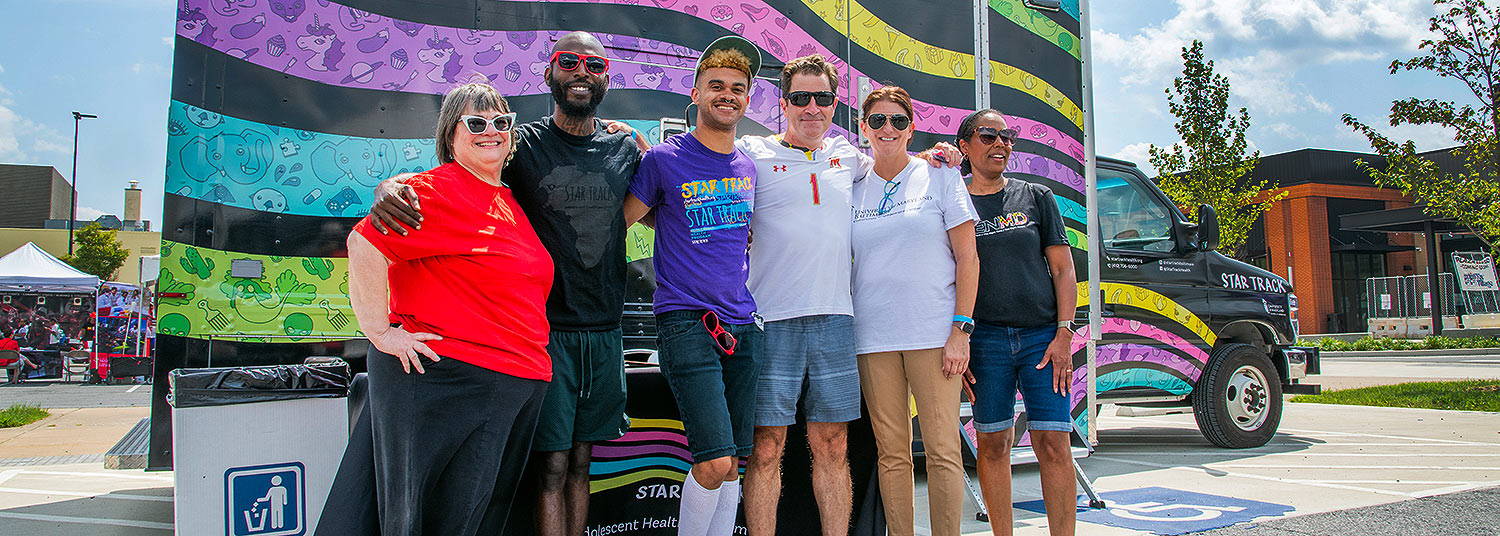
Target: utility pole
73	205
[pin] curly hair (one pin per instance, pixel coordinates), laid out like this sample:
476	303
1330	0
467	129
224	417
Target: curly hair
725	58
814	64
966	129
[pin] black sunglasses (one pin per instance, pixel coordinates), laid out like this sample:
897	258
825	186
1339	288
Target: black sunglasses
477	124
898	121
568	61
801	98
988	136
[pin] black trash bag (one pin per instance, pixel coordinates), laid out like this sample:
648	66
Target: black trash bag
194	388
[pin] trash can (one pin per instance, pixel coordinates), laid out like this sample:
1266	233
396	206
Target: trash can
256	448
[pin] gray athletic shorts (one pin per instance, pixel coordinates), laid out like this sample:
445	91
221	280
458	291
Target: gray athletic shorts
809	359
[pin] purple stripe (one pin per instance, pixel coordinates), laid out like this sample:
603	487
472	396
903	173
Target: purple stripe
1136	327
668	437
1128	352
607	450
340	46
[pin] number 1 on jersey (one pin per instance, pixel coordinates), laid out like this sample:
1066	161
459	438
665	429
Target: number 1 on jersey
815	188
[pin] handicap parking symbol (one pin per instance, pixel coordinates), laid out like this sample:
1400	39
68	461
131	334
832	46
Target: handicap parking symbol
265	500
1168	511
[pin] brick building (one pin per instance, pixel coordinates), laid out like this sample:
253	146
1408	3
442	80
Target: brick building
1301	239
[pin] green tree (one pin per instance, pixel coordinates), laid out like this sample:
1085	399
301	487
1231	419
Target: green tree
97	251
1466	48
1211	165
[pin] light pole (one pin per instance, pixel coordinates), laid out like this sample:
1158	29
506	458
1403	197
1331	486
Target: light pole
73	206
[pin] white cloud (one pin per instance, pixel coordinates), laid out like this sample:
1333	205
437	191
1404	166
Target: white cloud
18	133
167	41
88	213
1138	153
149	68
1265	38
1284	130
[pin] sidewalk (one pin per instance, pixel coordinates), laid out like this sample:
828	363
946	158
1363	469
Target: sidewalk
70	432
1472	512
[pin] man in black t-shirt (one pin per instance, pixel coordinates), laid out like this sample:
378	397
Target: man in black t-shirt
570	176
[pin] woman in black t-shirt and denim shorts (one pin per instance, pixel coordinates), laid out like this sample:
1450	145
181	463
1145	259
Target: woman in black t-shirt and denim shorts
1022	338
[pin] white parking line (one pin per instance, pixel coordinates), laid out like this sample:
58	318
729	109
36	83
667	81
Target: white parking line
1382	436
1342	467
1423	445
1212	470
1242	454
88	520
90	474
132	389
106	495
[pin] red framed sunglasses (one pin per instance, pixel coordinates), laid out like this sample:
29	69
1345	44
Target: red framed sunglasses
724	339
569	61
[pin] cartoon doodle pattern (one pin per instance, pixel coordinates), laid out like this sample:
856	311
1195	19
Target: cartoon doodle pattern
297	296
784	40
884	40
1136	327
1035	22
1150	300
353	48
246	164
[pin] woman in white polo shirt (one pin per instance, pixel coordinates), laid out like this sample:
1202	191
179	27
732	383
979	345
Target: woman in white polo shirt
914	281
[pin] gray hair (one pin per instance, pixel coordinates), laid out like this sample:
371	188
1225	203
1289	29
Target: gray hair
478	97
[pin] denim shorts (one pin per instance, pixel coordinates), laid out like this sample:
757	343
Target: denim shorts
1003	359
808	359
714	390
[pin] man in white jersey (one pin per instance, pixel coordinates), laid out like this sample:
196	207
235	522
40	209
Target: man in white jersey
799	275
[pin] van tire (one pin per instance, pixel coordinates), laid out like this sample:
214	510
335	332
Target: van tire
1250	417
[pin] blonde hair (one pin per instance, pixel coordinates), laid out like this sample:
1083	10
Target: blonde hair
726	58
477	96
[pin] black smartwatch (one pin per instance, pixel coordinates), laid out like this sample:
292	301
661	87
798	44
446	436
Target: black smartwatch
964	324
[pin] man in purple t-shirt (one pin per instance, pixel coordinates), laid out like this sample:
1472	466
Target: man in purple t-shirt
702	190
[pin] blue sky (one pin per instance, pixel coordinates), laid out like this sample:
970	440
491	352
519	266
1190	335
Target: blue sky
1297	66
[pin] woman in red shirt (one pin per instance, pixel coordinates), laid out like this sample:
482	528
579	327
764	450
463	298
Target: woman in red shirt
455	315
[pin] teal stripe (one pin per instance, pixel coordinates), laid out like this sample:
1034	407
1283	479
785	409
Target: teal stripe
619	466
1143	377
1070	209
251	165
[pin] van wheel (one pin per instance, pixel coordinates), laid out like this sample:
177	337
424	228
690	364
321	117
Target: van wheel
1237	401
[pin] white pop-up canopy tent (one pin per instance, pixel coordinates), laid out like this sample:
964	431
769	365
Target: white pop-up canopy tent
30	269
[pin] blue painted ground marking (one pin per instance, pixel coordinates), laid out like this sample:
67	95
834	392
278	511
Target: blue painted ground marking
1168	511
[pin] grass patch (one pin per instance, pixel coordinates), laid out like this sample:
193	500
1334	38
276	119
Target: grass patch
1467	395
21	415
1384	343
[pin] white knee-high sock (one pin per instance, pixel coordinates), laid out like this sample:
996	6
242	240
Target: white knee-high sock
729	507
697	509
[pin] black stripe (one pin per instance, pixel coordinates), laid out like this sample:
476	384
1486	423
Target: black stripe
215	81
227	228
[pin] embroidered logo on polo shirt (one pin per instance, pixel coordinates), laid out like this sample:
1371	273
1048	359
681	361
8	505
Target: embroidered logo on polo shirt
834	162
778	169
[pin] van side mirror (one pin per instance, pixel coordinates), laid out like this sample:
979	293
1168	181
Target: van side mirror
1208	228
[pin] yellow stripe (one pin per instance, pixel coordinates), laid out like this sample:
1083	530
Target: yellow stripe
1037	23
656	423
884	40
1077	239
626	480
1150	300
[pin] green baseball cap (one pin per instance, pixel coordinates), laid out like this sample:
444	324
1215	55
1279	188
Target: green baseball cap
731	42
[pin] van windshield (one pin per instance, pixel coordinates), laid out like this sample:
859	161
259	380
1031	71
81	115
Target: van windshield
1130	217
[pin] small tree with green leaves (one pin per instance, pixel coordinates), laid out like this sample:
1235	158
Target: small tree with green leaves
1465	47
97	251
1212	164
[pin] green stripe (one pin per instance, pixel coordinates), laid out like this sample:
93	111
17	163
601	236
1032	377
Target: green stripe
1039	24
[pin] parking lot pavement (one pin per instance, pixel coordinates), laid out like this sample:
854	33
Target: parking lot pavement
1470	512
1353	372
84	500
56	394
1325	458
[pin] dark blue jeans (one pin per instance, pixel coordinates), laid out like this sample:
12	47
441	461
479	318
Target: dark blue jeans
714	390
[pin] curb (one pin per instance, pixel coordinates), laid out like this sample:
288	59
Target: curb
1455	352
